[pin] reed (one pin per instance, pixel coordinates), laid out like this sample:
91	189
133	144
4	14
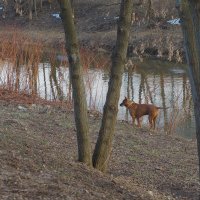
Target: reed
19	51
21	60
178	116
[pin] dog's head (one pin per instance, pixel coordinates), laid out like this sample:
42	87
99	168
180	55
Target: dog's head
126	102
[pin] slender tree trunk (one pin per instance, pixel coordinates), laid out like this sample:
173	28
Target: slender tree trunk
5	5
35	7
149	12
45	82
30	9
78	90
141	87
189	11
162	89
104	142
56	83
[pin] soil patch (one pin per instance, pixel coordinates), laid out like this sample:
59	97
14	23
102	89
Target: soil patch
38	153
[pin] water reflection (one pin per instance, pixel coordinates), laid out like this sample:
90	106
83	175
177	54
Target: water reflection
154	82
166	86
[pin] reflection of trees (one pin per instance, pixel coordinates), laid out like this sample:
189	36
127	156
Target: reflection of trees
45	82
162	83
172	91
52	87
69	95
145	89
128	84
34	78
187	100
55	67
17	76
147	94
148	91
141	87
181	105
32	71
179	99
184	90
130	87
53	78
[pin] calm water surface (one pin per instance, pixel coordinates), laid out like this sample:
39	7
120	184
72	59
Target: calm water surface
161	83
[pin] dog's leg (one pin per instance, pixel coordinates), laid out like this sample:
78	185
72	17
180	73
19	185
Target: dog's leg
138	122
133	119
154	119
154	122
150	121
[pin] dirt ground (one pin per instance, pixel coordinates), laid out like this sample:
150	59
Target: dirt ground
38	147
38	153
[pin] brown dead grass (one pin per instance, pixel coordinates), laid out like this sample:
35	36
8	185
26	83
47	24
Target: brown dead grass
38	159
96	26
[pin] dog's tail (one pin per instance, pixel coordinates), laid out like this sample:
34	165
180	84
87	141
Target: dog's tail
162	107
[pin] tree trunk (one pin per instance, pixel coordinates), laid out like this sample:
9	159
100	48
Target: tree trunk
30	9
35	7
149	13
78	90
104	142
5	5
189	11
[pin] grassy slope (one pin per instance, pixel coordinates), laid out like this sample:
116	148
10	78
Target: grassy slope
38	160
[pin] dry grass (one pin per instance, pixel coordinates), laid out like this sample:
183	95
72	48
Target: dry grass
38	160
22	56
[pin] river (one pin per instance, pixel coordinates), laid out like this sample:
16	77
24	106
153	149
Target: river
164	84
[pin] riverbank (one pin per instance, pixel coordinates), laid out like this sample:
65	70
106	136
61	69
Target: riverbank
96	24
38	153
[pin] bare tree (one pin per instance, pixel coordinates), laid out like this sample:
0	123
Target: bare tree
149	11
5	4
104	143
28	6
30	9
76	76
189	11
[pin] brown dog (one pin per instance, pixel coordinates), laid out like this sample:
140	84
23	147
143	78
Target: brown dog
139	110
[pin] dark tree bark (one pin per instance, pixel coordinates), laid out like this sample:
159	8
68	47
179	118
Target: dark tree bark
30	9
5	4
189	11
76	76
106	134
104	143
149	13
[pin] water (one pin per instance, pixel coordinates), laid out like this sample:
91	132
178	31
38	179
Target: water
166	85
161	83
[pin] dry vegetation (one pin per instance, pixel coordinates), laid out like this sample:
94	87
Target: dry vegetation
38	140
38	159
96	24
